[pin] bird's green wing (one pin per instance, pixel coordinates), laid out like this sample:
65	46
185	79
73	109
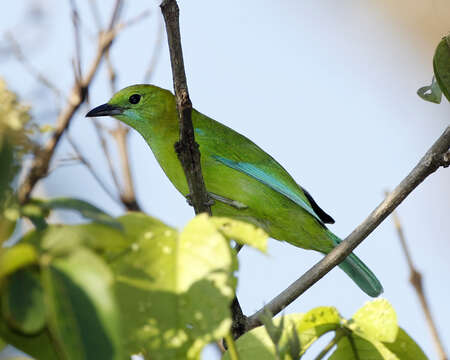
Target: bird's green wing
239	153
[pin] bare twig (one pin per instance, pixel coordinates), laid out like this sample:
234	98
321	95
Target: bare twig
128	195
120	134
76	30
186	147
435	157
18	53
90	168
104	146
156	54
415	279
77	96
96	14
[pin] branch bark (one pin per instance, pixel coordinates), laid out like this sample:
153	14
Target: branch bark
438	155
40	164
186	147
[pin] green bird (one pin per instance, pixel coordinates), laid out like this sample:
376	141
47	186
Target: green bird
244	181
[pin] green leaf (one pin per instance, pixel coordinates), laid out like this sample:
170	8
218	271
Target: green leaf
354	347
16	257
317	322
273	331
441	66
376	320
431	93
175	289
256	344
293	347
86	209
405	348
23	302
62	239
2	344
7	227
40	346
241	232
81	308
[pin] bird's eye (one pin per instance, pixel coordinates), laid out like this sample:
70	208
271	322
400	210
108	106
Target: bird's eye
134	99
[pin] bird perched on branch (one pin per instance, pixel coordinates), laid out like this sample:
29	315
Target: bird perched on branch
245	182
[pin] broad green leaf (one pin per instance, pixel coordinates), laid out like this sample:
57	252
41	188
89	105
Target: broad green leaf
6	229
376	320
354	347
86	209
39	346
241	232
2	344
61	239
175	289
23	302
81	308
16	257
431	93
273	330
257	344
441	66
405	348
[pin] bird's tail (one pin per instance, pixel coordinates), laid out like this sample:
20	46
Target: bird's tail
359	272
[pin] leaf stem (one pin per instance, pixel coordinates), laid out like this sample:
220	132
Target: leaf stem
231	347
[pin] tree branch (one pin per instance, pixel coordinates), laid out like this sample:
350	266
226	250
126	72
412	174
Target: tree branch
40	164
436	156
415	279
186	147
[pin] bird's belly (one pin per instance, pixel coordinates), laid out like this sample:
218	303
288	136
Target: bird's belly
280	217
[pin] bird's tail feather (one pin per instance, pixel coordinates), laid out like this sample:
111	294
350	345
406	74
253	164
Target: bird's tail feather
359	272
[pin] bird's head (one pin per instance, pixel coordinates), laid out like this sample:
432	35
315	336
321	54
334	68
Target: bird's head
136	105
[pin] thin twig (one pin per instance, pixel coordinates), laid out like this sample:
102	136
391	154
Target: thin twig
77	96
104	146
128	195
435	157
120	135
90	168
76	30
156	54
415	279
96	14
18	53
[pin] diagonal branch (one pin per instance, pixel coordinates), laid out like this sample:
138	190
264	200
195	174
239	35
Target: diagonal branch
438	155
415	279
40	164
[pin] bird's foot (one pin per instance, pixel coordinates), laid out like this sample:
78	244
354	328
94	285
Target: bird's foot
209	202
236	204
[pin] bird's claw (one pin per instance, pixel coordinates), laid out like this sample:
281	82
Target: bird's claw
209	202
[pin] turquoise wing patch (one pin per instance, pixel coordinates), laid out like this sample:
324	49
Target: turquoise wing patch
268	180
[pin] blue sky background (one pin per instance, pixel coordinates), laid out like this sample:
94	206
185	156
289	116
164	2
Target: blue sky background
327	88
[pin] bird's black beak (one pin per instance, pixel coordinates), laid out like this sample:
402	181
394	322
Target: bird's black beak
105	110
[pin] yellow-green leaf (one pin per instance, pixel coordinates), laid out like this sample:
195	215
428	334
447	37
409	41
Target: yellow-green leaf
16	257
376	320
242	232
